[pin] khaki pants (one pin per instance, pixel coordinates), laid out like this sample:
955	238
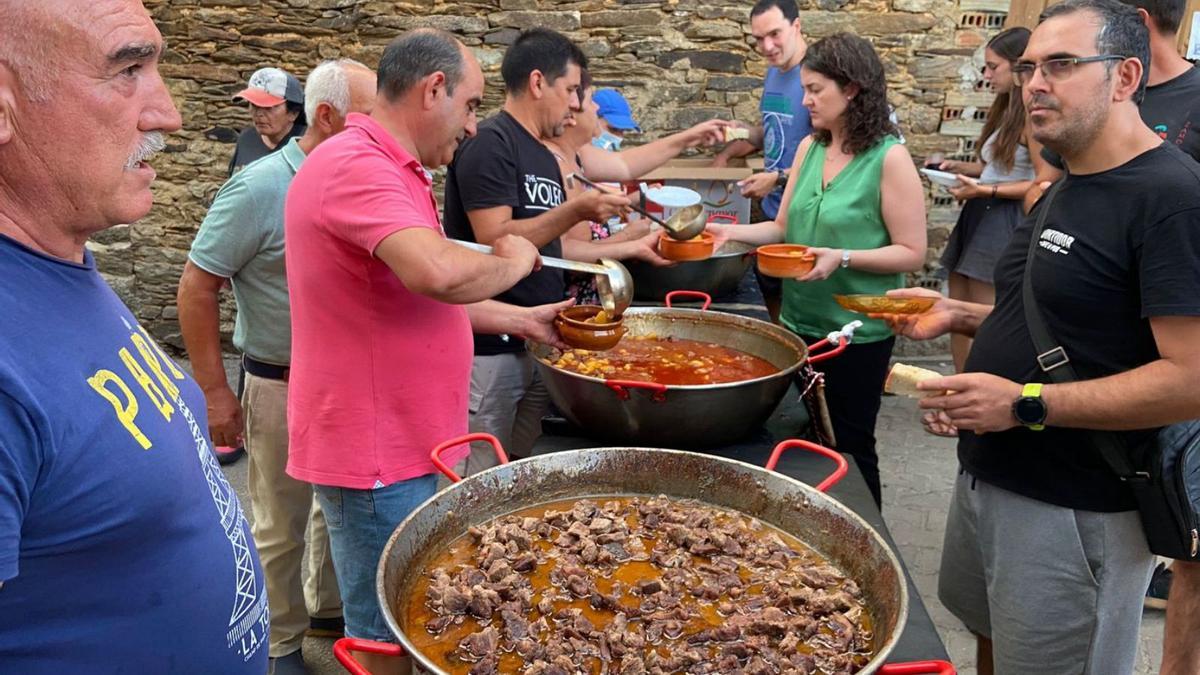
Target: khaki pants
283	507
508	401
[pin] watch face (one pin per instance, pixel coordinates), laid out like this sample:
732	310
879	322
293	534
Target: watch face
1030	410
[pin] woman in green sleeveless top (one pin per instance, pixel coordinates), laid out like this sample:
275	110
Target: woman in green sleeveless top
855	198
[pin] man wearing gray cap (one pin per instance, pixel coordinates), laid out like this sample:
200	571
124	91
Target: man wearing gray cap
276	104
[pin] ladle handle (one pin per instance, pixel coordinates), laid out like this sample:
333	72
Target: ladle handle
633	205
343	647
436	455
559	263
699	295
840	472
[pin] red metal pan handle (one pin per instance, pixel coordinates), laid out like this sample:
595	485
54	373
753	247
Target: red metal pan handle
840	472
343	647
700	295
918	668
840	339
436	455
822	344
622	387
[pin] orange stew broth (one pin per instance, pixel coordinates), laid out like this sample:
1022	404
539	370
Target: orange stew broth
462	551
670	361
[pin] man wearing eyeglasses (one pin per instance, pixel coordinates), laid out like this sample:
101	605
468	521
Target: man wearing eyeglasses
1171	107
1045	558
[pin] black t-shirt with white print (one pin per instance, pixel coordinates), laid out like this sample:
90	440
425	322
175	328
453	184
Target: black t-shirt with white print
504	165
1118	248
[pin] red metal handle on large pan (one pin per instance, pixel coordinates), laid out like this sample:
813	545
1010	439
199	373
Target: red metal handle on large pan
701	295
343	647
918	668
821	344
436	455
840	472
622	387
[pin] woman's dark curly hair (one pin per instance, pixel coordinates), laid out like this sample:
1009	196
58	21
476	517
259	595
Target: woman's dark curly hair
848	59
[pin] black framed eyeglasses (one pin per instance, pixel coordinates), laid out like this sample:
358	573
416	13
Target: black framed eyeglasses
1057	70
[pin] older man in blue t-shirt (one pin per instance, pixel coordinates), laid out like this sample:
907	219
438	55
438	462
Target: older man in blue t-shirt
775	25
122	546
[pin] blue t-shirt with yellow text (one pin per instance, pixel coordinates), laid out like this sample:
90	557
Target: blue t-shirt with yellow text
122	546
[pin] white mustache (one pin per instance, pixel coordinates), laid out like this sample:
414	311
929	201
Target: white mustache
151	144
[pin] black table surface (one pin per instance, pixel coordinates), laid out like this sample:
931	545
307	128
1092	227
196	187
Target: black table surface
919	641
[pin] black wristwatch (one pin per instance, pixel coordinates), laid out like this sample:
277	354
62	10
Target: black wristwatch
1030	409
781	178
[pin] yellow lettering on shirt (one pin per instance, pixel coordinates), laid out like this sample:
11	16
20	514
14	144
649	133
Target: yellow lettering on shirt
175	371
126	410
150	356
157	398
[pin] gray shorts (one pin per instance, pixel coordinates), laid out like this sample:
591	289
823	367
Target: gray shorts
1058	591
508	400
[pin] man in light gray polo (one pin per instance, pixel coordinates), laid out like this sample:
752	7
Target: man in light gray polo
241	240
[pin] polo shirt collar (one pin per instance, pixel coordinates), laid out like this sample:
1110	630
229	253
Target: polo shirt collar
292	154
375	131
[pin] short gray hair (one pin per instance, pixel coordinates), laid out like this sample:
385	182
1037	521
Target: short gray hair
416	55
25	45
329	83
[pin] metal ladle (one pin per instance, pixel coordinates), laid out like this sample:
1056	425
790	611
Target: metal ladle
686	223
614	284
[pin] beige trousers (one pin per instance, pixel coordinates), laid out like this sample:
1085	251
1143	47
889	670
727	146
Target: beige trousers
508	401
283	508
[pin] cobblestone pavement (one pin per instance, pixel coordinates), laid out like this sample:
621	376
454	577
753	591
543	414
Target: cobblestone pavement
918	474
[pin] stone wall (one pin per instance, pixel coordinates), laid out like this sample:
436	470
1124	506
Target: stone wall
678	61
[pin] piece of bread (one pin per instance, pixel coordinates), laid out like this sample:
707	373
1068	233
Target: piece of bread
902	380
735	133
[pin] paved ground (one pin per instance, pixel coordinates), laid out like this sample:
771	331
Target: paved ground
918	472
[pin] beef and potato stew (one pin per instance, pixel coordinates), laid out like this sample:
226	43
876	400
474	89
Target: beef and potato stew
665	360
635	585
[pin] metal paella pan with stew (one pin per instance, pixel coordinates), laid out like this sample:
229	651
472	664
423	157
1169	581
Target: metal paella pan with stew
423	598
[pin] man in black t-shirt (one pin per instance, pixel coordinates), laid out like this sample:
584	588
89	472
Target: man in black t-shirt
505	181
1044	554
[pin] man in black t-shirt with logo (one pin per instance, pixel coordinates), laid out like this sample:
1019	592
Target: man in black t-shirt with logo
505	181
1045	558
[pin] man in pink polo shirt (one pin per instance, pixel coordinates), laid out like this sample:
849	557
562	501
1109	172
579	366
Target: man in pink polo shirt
383	308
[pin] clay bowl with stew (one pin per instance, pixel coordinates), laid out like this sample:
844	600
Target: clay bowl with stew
786	261
699	247
587	327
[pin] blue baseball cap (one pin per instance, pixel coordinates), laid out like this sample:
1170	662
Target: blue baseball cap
614	109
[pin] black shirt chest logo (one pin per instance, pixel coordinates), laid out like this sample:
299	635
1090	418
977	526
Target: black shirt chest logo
541	194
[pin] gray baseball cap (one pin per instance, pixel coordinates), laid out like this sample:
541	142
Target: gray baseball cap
271	86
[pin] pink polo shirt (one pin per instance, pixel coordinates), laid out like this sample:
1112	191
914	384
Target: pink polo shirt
379	374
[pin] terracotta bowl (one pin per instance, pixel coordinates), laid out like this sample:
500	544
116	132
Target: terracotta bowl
786	261
578	331
699	247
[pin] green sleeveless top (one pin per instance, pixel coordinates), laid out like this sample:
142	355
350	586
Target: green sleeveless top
844	214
